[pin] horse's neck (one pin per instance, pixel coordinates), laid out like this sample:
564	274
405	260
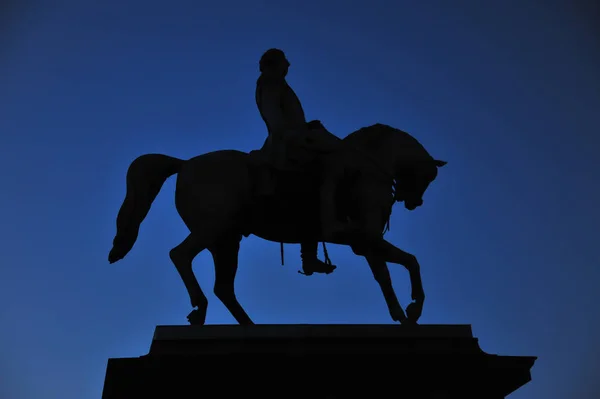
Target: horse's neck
372	151
386	146
381	160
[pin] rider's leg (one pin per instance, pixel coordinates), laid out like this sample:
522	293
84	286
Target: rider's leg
333	159
310	263
332	174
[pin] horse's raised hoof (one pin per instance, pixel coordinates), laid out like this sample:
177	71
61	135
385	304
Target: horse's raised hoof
197	317
413	311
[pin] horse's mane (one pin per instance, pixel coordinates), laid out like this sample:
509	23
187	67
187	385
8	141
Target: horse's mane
375	137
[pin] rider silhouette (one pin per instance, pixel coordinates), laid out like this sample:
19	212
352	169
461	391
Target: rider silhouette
282	112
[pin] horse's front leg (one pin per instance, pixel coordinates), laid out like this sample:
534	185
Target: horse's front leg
382	276
393	254
370	243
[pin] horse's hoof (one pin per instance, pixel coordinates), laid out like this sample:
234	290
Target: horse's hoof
408	322
196	317
413	311
398	315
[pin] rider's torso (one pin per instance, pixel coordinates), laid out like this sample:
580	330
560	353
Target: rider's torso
288	103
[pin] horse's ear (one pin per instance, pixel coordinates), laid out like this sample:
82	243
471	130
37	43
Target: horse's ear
439	163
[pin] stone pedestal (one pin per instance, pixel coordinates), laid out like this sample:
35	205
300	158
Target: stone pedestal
316	361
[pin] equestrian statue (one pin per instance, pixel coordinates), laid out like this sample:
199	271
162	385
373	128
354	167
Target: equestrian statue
304	186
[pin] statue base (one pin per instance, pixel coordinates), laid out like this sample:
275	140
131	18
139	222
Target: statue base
316	361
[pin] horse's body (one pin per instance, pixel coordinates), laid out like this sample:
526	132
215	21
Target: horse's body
215	198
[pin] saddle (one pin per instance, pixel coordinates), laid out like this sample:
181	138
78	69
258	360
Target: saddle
300	158
298	190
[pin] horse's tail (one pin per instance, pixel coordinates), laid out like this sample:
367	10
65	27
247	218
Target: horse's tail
145	177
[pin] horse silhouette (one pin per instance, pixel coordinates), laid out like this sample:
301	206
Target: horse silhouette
215	198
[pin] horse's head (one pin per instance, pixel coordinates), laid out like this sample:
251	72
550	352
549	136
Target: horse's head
401	155
413	179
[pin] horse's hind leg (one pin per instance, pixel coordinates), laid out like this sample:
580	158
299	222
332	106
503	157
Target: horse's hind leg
225	255
182	257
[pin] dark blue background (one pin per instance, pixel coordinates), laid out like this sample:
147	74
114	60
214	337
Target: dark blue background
507	92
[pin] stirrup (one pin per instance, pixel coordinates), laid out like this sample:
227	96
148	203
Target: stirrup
329	268
311	273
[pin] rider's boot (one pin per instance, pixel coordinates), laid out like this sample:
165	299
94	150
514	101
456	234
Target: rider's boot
331	227
310	263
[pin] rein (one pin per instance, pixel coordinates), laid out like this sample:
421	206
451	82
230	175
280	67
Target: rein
395	184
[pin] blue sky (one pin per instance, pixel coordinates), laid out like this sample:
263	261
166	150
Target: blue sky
507	92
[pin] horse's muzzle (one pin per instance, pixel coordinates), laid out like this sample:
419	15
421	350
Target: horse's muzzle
413	204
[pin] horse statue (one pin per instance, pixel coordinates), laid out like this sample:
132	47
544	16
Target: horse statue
215	197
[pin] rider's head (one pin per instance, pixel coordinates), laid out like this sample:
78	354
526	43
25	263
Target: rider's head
274	63
413	181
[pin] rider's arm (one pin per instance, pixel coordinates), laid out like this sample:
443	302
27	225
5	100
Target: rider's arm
271	104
